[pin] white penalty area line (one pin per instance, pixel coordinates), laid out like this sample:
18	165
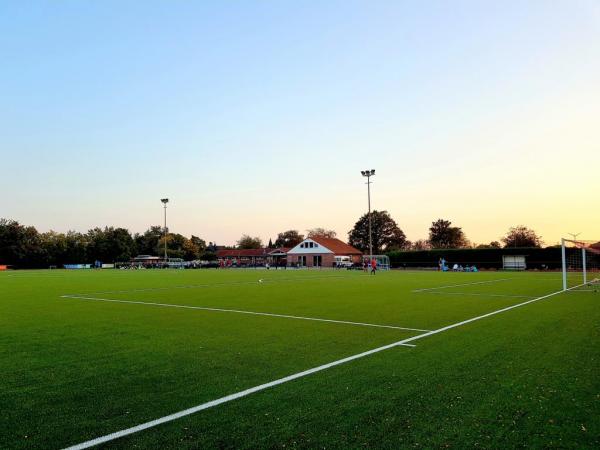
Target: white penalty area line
462	284
262	387
238	311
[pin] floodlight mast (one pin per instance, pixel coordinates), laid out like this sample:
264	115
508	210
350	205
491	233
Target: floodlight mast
369	174
165	201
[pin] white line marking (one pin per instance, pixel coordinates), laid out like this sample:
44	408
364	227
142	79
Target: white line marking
478	294
462	284
238	311
262	387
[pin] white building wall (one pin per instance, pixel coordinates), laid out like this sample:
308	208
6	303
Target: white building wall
304	248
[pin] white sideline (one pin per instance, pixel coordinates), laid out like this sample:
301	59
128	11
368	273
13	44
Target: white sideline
478	294
462	284
238	311
262	387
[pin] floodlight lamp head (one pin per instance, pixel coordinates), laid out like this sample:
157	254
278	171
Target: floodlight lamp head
164	200
372	171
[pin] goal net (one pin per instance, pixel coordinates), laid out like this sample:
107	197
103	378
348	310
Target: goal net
580	263
383	261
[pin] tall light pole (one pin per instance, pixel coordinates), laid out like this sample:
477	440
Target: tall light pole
369	174
574	235
165	201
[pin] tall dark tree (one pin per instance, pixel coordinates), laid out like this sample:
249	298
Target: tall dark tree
270	245
420	244
493	244
200	243
249	242
289	238
320	232
59	248
110	245
386	233
23	247
521	236
443	235
192	248
147	243
20	245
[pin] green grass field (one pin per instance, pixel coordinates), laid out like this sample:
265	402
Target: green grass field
85	354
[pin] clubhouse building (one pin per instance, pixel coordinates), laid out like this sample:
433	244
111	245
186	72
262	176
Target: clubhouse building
311	252
322	252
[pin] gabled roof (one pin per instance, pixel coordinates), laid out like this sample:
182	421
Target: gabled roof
241	252
336	246
324	245
278	250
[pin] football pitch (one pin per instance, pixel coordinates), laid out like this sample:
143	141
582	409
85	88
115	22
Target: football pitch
297	358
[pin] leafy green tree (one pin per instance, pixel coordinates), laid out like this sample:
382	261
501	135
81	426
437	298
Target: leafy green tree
208	256
289	238
147	243
443	235
248	242
175	245
76	251
110	245
521	236
421	244
493	244
191	250
20	245
320	232
386	233
198	242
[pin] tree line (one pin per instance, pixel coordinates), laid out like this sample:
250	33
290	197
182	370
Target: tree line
387	236
24	247
286	239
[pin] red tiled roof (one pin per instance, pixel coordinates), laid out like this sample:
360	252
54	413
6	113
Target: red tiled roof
336	246
249	252
278	250
241	252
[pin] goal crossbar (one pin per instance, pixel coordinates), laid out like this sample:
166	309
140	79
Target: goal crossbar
588	249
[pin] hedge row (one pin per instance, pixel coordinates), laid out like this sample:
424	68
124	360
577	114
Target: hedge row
485	258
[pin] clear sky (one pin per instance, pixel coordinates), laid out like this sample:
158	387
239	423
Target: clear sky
257	116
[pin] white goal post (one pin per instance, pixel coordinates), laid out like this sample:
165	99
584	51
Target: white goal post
580	262
383	261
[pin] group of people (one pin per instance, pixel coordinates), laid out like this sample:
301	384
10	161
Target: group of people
467	268
443	267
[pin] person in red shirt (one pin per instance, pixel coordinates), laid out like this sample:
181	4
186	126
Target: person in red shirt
373	266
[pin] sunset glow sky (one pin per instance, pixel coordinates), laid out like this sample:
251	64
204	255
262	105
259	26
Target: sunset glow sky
257	117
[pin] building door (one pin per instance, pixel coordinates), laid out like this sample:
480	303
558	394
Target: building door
317	260
302	261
